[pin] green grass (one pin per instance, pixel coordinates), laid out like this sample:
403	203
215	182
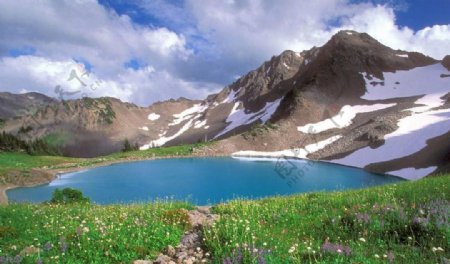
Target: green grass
371	224
86	233
408	222
22	162
10	161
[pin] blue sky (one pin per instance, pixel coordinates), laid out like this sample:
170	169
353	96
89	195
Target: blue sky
146	51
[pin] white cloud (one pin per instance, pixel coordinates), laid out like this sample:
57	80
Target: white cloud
63	30
256	28
221	39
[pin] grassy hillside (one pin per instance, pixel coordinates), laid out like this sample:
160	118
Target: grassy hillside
83	233
407	222
402	223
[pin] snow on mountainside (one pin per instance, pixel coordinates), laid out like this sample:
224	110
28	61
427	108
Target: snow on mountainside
387	111
352	101
425	122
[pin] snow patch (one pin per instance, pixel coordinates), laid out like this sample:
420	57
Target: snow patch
301	153
415	130
349	33
239	117
285	65
412	173
402	55
343	119
268	70
163	140
153	117
231	97
412	135
199	124
418	81
144	128
188	113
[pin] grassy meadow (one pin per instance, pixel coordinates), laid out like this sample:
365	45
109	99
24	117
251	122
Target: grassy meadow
408	222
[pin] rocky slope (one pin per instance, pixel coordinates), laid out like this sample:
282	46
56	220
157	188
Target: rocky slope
352	101
91	127
14	105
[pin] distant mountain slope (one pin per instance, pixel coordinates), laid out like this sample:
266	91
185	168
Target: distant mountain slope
13	105
91	127
353	101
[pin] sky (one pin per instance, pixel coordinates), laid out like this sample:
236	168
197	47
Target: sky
147	51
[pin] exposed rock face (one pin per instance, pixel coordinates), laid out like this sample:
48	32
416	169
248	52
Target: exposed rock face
353	87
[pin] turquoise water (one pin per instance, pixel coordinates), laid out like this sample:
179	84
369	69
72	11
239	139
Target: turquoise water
203	180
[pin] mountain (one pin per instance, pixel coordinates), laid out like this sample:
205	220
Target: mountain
353	101
14	105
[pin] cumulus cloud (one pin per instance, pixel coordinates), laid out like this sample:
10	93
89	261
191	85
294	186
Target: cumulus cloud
197	47
64	31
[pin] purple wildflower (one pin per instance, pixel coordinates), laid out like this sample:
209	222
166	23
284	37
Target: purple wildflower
17	259
48	246
363	217
328	247
420	220
390	256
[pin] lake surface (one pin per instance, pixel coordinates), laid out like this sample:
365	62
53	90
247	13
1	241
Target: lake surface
203	180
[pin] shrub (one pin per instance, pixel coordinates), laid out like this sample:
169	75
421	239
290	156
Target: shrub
68	195
127	146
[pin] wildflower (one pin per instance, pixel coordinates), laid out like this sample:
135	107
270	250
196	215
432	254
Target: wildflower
291	250
390	256
48	246
377	256
362	239
434	249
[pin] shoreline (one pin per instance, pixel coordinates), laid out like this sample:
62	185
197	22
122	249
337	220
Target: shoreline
305	159
55	172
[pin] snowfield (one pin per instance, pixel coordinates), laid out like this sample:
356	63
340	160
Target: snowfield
188	113
424	123
418	81
343	119
300	153
153	117
163	140
239	117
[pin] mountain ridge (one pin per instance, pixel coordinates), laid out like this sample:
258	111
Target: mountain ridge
333	88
